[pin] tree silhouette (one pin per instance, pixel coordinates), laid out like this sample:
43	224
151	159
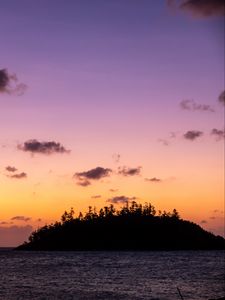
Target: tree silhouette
133	227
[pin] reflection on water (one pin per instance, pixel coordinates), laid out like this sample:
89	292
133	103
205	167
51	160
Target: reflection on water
111	275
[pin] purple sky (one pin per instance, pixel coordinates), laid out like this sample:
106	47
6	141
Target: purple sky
106	77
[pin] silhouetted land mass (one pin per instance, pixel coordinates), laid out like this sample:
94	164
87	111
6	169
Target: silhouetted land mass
133	227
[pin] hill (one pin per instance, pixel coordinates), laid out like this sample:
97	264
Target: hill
133	227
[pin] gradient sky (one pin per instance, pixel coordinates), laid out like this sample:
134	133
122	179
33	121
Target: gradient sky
107	79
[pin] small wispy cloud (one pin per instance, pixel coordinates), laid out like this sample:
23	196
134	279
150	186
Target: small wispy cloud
21	175
83	182
21	218
164	142
203	221
121	199
191	105
116	157
219	134
5	223
192	135
34	146
9	83
84	178
11	169
126	171
96	196
113	190
153	179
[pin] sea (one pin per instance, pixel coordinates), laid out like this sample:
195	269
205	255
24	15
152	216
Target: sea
163	275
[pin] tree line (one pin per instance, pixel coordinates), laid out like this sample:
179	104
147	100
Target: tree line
135	226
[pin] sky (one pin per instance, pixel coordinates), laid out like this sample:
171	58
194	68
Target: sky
109	101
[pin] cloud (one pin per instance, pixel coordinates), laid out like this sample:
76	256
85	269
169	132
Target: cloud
5	223
83	182
96	196
48	148
167	141
84	178
222	98
192	134
173	135
200	8
193	106
19	176
204	8
21	218
164	142
9	83
116	157
219	134
14	235
113	190
121	199
11	169
125	171
218	211
203	222
4	80
154	179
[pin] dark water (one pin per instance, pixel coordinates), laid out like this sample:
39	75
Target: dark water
111	275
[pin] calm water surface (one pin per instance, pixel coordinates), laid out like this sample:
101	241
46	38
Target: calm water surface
111	275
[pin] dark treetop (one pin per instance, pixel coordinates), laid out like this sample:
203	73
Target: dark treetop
133	227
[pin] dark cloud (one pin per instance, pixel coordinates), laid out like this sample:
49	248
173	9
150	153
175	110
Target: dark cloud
21	218
192	135
9	83
96	196
222	98
204	8
48	148
121	199
95	174
192	106
4	80
154	179
84	178
11	169
14	235
219	134
19	175
200	8
125	171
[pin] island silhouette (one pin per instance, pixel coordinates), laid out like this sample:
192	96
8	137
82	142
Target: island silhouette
133	227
